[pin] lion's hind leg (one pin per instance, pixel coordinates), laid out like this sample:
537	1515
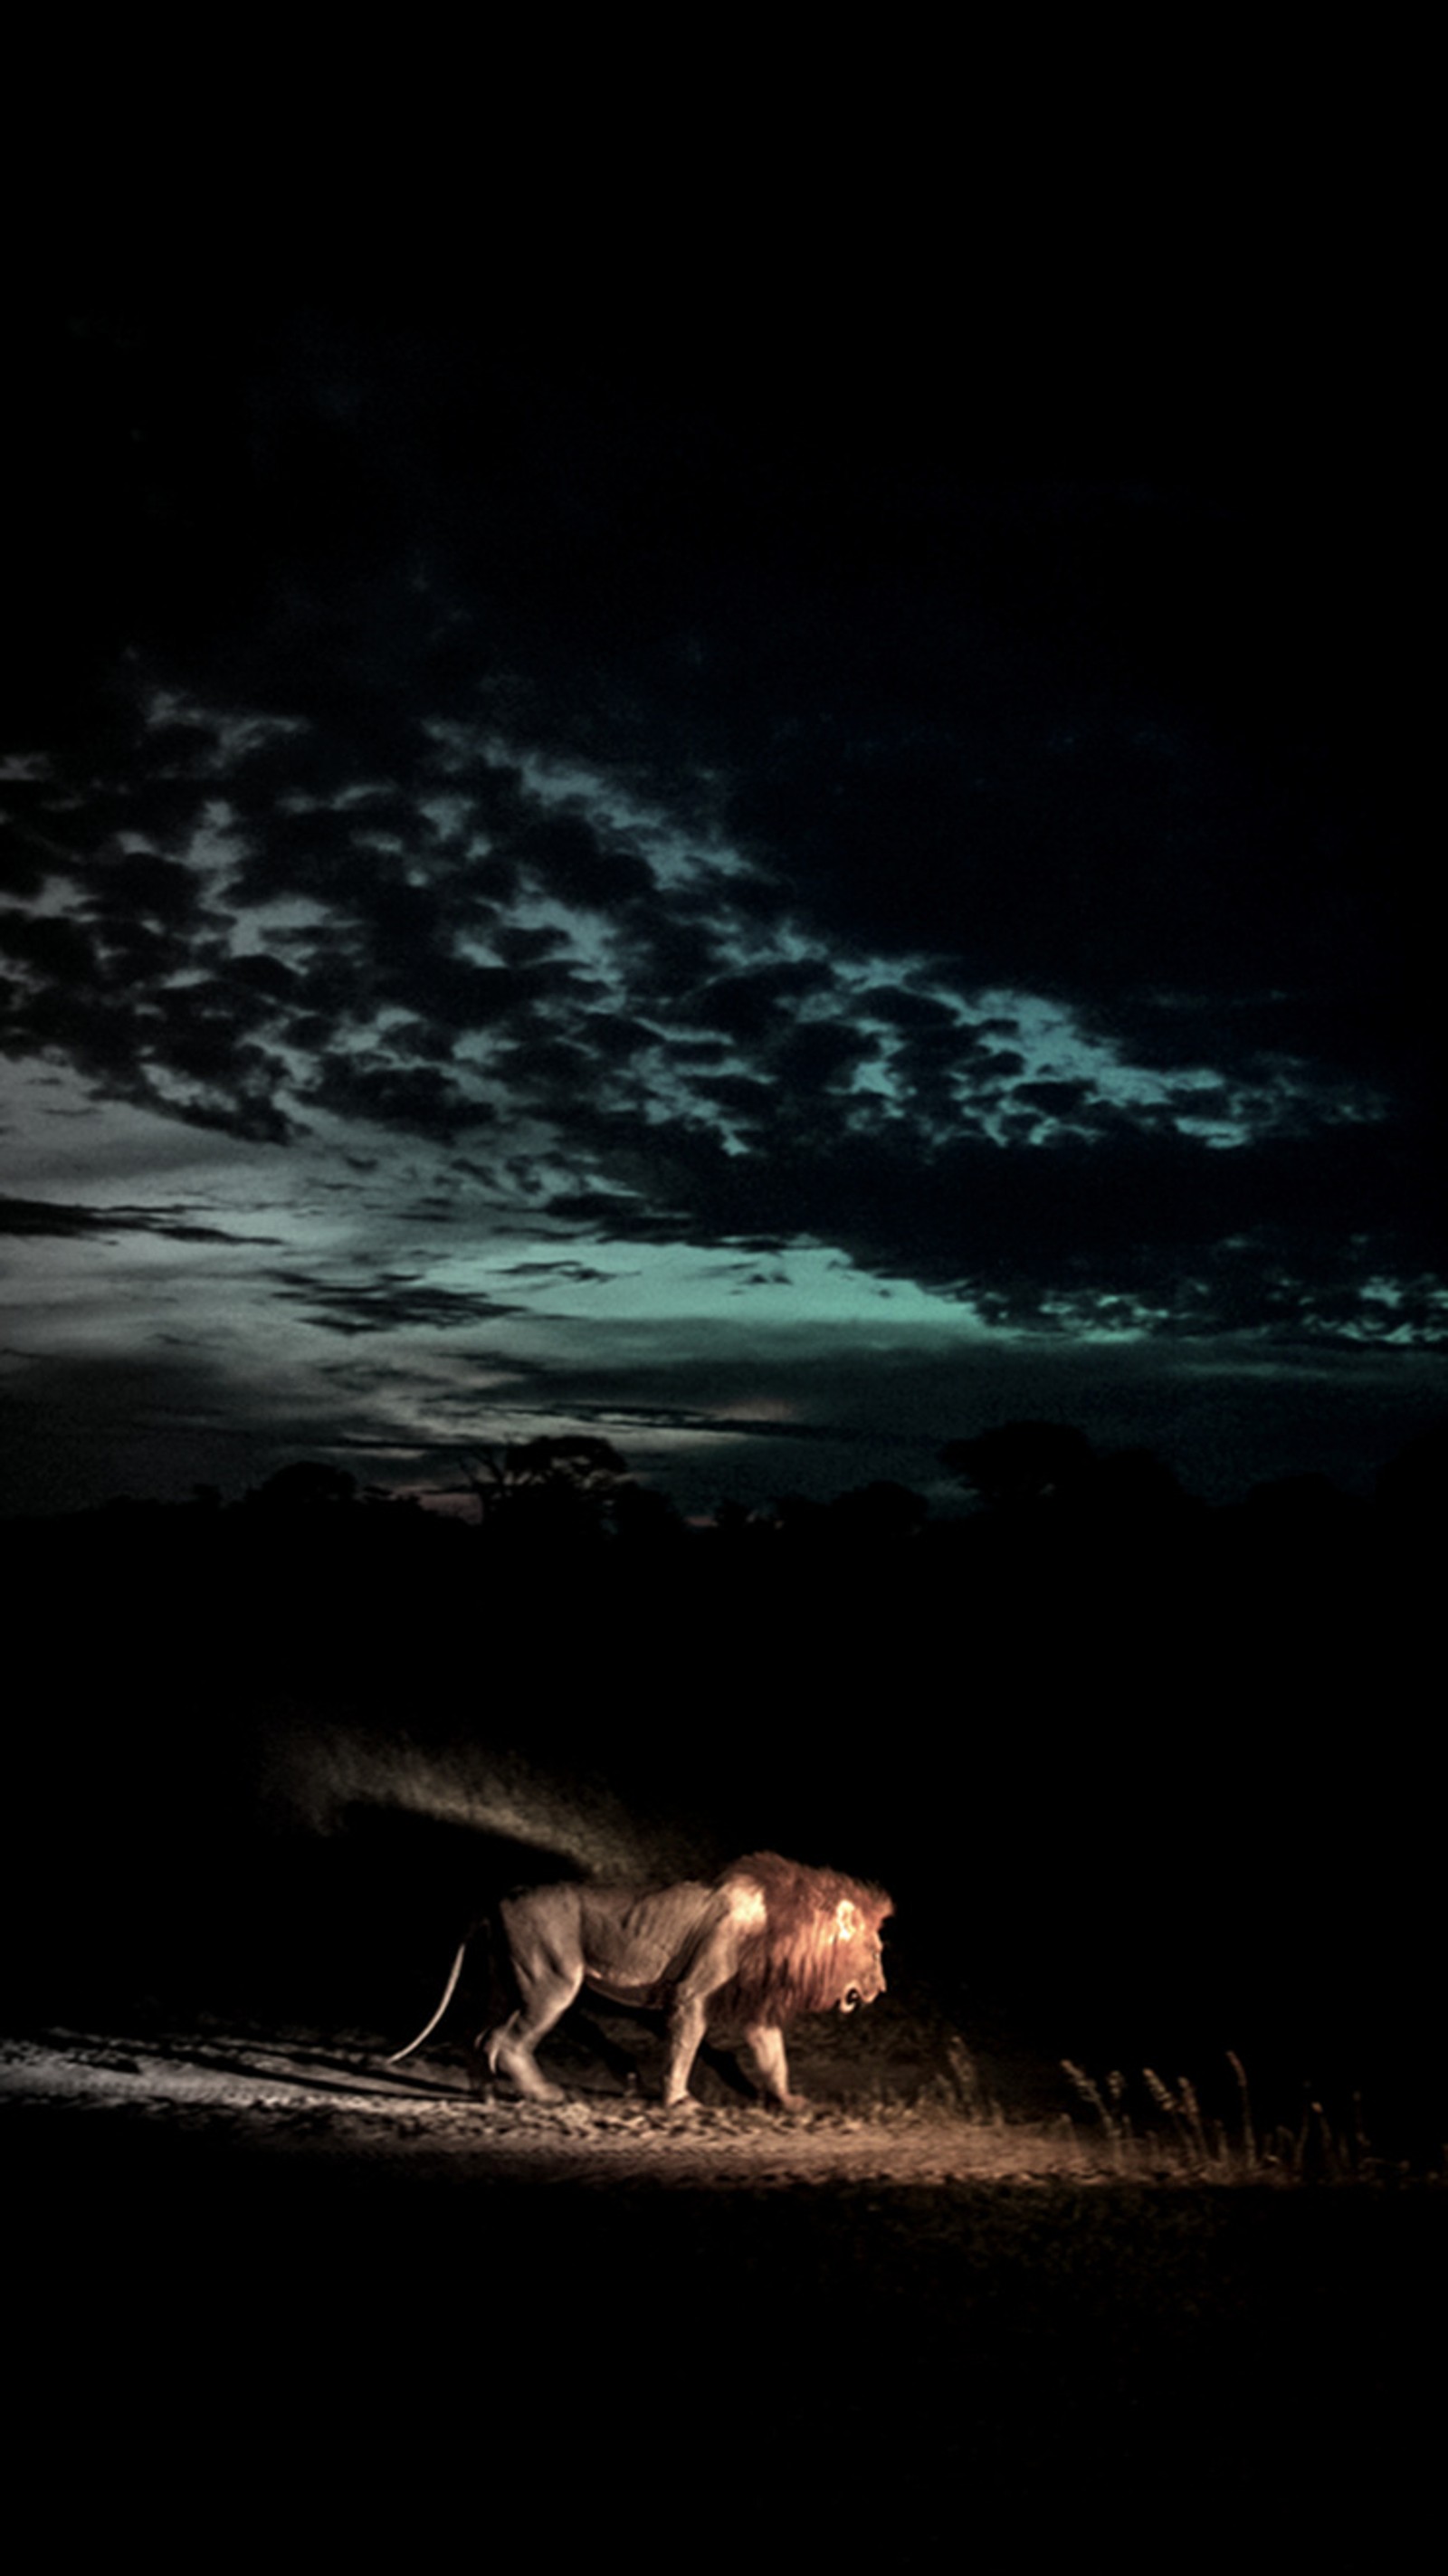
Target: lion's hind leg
549	1974
508	2051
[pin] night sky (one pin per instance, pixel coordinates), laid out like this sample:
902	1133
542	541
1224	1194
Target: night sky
700	873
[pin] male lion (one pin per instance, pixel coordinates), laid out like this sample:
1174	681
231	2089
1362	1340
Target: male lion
767	1940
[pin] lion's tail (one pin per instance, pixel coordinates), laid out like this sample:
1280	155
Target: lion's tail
449	1991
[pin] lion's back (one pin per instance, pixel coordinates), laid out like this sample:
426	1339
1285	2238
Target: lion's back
645	1936
772	1926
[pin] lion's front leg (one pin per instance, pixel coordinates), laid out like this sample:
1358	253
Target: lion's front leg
765	2043
687	2018
734	1912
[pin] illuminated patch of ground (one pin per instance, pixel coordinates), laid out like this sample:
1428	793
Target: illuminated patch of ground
247	2246
297	2091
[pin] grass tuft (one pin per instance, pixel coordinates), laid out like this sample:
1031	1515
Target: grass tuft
1173	2138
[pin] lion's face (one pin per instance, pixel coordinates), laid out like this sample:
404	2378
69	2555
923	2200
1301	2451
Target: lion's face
860	1958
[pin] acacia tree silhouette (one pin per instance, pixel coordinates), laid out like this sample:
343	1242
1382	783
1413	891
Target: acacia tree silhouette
553	1485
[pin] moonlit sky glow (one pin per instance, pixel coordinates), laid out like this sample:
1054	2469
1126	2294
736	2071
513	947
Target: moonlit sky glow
539	900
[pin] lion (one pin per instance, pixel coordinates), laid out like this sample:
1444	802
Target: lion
765	1941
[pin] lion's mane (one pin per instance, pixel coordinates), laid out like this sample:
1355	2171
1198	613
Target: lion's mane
796	1962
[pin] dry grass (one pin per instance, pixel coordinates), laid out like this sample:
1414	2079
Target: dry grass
1151	2128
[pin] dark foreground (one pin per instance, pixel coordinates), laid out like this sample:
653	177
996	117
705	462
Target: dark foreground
282	2327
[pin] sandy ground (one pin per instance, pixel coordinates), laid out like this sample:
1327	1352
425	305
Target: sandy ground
295	2091
267	2291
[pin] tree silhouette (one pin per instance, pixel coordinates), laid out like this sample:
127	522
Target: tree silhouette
1412	1489
305	1489
643	1516
554	1486
1022	1463
878	1514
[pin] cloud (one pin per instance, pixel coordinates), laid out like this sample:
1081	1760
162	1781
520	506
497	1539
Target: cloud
44	1216
598	819
389	1303
38	1217
735	1073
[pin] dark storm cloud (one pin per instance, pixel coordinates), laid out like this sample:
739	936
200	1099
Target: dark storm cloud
747	1005
43	1216
708	1418
51	948
569	860
416	1099
328	855
550	1071
386	1303
922	1016
1066	1101
359	1013
1184	1232
142	884
47	1216
818	1054
135	1008
576	1272
452	991
269	977
524	949
175	1017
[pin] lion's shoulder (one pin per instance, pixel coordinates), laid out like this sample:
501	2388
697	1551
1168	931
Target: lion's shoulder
797	1893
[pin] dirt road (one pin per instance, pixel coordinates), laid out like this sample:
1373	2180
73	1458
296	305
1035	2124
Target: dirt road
264	2283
